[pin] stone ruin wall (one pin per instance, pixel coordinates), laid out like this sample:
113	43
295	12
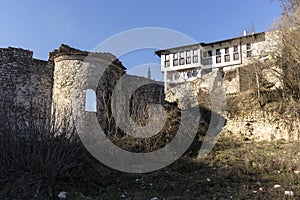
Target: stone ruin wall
25	82
74	73
31	86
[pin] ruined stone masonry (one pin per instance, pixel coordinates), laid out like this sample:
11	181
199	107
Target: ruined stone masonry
24	81
57	87
31	86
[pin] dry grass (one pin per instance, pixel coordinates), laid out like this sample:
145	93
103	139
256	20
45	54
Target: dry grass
39	163
234	170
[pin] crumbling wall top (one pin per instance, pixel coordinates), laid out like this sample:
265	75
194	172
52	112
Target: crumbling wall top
65	50
15	53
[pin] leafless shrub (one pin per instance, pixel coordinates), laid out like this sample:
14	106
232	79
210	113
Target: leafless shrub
287	56
139	109
38	157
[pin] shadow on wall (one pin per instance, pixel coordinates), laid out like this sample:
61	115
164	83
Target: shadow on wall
139	103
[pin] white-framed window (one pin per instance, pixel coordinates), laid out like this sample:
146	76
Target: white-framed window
167	63
218	59
167	60
195	52
248	46
218	56
175	55
227	58
235	49
207	54
175	62
189	74
195	55
207	61
181	61
248	50
227	50
207	57
195	59
167	57
192	73
188	53
195	73
188	60
227	55
236	56
181	54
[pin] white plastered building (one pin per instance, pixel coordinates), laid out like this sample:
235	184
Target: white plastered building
186	63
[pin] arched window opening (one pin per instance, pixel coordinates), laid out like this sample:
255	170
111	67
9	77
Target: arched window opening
90	101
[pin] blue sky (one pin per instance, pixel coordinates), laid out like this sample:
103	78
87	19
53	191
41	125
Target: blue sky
42	26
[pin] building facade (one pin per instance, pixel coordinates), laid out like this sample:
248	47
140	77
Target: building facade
186	63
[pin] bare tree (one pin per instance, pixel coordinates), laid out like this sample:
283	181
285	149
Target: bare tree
287	56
